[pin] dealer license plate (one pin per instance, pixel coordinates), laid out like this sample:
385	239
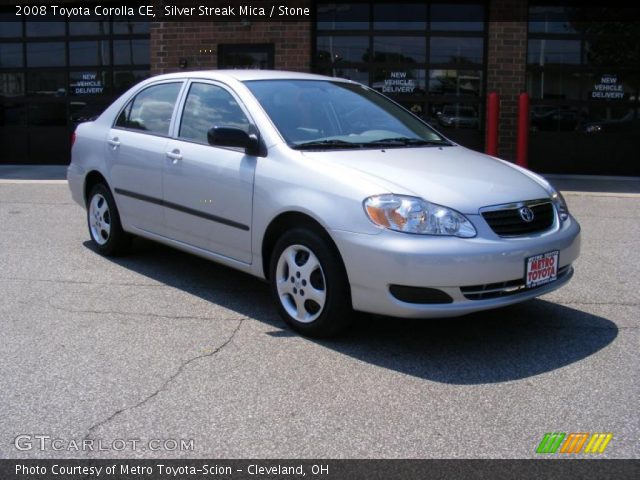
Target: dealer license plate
541	269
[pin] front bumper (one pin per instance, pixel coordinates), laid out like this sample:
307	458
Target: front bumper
374	262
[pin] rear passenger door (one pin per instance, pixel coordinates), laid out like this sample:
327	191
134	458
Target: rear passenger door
136	151
208	191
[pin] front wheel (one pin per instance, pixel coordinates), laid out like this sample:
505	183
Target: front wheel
104	222
309	285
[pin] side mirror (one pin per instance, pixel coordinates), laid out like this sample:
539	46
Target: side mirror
233	137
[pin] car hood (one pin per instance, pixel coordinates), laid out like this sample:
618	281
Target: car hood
452	176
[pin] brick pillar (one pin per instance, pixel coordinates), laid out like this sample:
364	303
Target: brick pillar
506	65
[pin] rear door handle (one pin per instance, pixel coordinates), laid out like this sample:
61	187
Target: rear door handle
114	142
174	155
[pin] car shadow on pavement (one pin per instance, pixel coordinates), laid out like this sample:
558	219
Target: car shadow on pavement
501	345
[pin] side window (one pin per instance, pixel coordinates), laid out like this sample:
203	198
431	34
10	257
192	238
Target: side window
151	109
209	106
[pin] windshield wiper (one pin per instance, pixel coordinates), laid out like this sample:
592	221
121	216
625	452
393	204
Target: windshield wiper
406	141
334	143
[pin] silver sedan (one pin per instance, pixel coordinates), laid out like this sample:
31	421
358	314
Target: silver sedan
338	197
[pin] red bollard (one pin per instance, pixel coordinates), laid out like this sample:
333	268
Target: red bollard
493	115
523	130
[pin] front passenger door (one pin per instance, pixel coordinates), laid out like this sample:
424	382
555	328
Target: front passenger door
208	191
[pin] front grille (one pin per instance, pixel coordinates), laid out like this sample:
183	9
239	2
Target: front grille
508	222
503	289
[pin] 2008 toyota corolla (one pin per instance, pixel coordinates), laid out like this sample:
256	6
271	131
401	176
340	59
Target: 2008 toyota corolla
336	195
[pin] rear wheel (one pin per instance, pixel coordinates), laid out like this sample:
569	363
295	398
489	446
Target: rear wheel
309	285
104	222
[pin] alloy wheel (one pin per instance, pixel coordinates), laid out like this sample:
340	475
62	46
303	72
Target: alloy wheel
301	284
99	219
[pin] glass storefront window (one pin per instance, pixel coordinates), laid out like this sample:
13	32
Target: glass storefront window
48	114
553	52
52	84
89	53
45	29
131	51
125	79
46	54
461	122
359	75
12	113
561	85
396	49
457	115
615	45
88	28
457	17
583	76
555	118
348	16
55	74
86	110
550	19
458	50
11	84
11	55
347	49
9	27
399	16
130	27
455	82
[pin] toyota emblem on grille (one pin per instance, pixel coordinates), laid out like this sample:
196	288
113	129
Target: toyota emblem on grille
526	214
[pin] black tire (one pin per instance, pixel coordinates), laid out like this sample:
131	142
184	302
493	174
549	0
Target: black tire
330	278
111	241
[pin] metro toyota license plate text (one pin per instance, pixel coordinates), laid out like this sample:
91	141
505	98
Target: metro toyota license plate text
541	269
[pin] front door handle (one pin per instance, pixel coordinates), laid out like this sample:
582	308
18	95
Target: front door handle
175	155
114	142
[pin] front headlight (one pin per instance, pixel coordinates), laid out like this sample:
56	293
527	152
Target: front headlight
403	213
560	204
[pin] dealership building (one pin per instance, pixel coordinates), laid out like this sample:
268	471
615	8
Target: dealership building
580	68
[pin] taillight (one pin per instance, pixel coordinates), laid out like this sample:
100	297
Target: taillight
73	138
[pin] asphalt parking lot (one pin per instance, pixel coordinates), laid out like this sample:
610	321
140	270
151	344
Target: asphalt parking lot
162	345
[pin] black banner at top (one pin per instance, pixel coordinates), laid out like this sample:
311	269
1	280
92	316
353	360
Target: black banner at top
307	10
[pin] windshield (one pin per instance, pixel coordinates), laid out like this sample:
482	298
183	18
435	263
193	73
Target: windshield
321	114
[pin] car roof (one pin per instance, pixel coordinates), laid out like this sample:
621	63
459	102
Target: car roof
245	75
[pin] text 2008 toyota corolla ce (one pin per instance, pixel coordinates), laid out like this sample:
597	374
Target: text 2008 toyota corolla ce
336	195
